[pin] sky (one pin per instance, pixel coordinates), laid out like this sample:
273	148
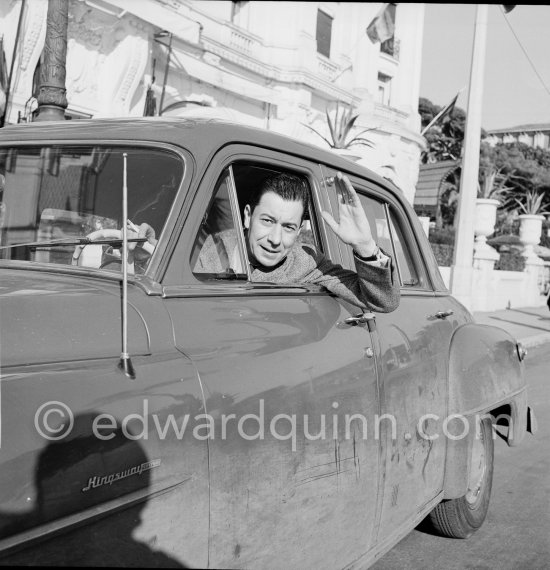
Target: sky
512	93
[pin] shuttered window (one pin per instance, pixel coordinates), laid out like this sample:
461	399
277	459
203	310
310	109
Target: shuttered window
324	33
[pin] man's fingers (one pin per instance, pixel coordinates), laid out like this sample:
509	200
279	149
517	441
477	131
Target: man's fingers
347	191
344	179
354	198
145	230
131	226
330	220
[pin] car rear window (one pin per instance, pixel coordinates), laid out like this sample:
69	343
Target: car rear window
388	231
55	199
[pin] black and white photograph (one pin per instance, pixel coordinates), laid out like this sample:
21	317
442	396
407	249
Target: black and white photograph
274	285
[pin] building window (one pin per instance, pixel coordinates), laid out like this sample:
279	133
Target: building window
391	47
324	33
239	13
384	88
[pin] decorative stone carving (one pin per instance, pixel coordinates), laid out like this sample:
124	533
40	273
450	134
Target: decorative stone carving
28	54
34	25
106	60
211	58
129	60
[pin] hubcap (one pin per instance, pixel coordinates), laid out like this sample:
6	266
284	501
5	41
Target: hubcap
477	469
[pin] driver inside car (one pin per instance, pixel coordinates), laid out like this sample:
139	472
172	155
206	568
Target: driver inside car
139	252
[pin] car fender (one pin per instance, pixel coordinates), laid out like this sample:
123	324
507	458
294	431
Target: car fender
486	376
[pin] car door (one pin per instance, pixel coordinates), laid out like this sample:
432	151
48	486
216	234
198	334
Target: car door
412	347
289	390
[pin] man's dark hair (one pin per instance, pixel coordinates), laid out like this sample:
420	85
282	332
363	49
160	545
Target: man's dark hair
287	186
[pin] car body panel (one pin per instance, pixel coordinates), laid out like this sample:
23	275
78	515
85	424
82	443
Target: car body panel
55	312
45	479
484	361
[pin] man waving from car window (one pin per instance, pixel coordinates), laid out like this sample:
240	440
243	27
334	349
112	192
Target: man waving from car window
273	220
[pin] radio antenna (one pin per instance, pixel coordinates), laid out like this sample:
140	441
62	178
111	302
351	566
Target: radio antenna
125	363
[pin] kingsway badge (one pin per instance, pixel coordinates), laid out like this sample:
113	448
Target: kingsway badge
99	481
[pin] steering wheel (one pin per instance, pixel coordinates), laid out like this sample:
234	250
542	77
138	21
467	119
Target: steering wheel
90	254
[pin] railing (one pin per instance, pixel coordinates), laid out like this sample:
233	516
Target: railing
327	69
390	113
242	42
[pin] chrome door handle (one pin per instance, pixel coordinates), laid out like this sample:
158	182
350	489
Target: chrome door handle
360	319
443	314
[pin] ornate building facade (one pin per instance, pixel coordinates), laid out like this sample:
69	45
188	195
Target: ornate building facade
274	65
535	135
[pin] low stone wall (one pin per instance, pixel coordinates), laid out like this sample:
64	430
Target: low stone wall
446	274
494	290
498	289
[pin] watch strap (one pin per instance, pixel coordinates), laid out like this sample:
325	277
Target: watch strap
373	257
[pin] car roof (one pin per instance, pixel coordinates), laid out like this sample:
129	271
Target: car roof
208	134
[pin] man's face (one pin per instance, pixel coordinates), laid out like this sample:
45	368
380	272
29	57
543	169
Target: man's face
273	227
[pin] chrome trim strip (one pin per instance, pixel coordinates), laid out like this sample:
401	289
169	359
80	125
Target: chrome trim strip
87	516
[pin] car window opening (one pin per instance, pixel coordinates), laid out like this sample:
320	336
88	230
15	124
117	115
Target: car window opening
388	235
220	243
57	200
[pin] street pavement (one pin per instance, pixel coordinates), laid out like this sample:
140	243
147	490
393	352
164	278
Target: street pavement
528	325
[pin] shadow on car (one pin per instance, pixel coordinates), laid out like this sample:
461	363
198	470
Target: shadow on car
77	474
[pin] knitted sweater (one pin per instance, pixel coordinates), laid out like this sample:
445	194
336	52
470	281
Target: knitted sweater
372	288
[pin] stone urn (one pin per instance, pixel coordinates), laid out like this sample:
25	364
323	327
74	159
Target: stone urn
530	230
484	226
425	223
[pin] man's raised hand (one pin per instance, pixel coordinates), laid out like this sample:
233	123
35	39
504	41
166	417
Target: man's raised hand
353	227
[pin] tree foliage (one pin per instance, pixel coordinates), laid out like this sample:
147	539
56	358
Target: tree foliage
445	137
516	174
522	170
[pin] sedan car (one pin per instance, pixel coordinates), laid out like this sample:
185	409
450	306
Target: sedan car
157	413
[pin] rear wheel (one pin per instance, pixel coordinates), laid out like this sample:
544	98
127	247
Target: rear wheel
459	518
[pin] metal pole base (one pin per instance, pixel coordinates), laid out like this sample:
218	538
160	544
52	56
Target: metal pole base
50	113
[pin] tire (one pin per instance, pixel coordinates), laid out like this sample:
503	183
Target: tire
460	518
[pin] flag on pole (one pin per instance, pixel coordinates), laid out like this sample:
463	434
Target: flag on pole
383	25
445	111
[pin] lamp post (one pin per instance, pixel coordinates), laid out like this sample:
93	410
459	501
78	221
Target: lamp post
52	99
462	270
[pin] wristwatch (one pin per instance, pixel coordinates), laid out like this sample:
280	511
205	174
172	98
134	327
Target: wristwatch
376	256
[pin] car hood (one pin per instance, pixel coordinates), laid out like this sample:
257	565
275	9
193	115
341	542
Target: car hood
57	317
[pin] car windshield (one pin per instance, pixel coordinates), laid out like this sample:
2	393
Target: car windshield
63	204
